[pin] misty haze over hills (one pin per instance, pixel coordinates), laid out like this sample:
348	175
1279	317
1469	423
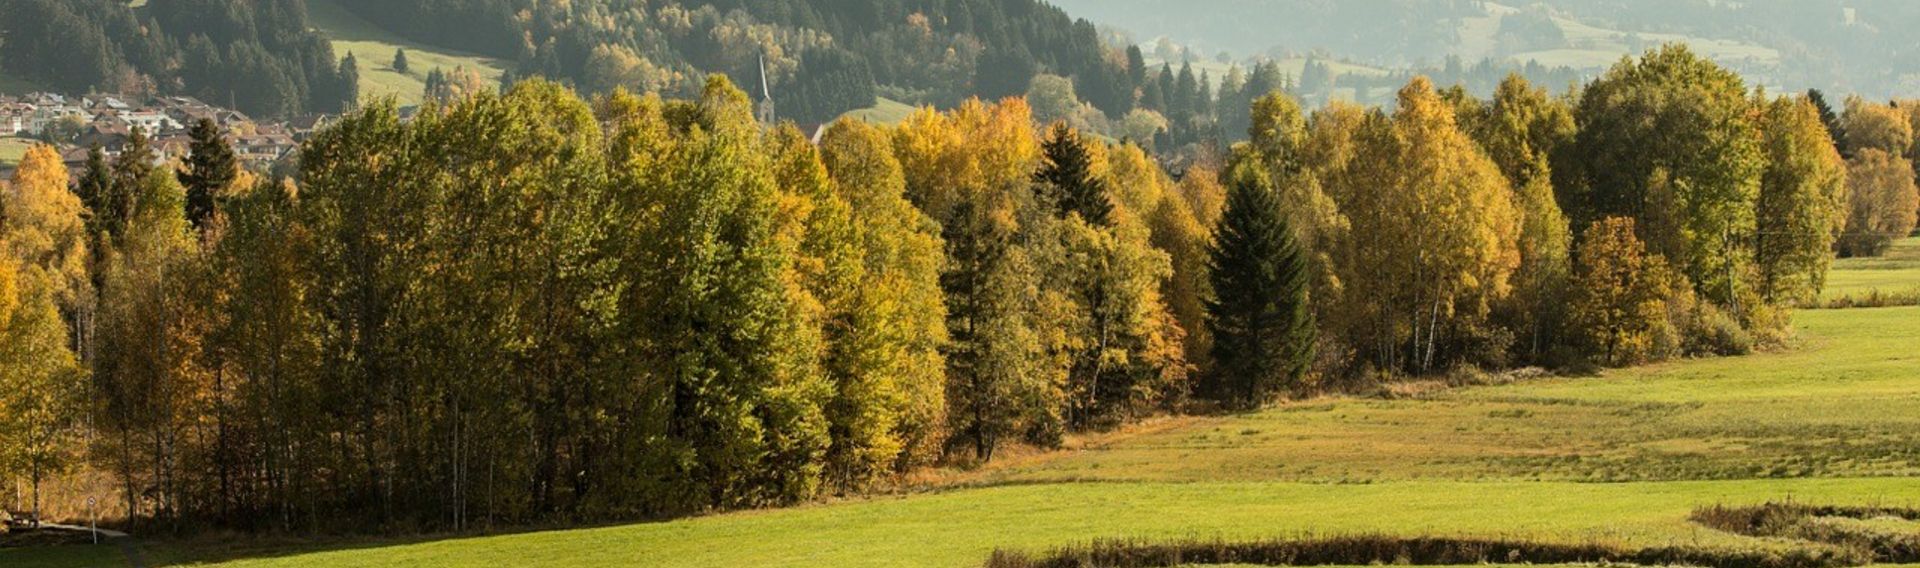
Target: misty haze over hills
1850	46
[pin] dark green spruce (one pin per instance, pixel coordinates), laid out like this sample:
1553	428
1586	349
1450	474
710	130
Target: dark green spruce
1066	177
210	168
1262	325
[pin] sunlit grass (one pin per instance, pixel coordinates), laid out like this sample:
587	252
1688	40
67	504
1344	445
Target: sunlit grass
1896	272
373	47
885	112
12	149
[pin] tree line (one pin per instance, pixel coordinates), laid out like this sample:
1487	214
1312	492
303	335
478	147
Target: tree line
529	307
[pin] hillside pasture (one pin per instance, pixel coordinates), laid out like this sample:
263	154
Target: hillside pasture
13	149
374	48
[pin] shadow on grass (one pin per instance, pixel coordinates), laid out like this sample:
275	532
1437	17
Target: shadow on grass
219	548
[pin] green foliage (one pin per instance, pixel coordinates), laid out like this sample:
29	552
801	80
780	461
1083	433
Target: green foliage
1668	140
1261	323
1802	203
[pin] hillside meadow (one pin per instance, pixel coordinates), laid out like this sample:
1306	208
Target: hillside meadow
374	48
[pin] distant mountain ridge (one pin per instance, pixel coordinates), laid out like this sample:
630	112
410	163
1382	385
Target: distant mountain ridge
1855	46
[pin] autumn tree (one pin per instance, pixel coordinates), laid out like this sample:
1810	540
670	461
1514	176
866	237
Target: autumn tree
1261	323
147	373
1829	119
1669	141
971	170
41	382
1878	137
1182	226
1620	302
1123	342
1873	126
889	327
1881	202
1441	231
1802	202
45	222
1520	130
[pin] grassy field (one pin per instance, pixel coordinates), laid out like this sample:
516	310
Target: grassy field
12	149
887	111
1897	272
374	48
1619	458
1592	47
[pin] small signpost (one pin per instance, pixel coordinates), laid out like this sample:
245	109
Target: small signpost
93	521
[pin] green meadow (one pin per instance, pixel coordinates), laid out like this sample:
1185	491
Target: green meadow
1895	273
374	47
1622	457
885	111
12	149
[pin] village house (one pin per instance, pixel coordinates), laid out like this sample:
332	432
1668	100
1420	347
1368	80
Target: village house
14	118
107	121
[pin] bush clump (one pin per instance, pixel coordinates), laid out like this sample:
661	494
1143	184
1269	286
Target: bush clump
1423	551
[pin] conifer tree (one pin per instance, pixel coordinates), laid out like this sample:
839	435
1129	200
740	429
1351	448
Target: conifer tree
1261	323
400	64
1828	118
130	171
210	169
1066	176
349	82
96	181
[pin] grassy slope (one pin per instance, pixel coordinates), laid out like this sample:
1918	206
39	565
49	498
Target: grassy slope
12	149
1836	419
886	111
1593	47
1896	272
374	48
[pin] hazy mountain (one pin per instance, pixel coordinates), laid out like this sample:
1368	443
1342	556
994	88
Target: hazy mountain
1859	46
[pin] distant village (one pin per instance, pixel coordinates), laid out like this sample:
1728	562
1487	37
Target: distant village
77	124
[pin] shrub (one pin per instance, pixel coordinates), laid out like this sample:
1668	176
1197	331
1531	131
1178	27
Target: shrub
1820	524
1426	551
1709	330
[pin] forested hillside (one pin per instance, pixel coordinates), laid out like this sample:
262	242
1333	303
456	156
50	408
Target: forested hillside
822	58
258	55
